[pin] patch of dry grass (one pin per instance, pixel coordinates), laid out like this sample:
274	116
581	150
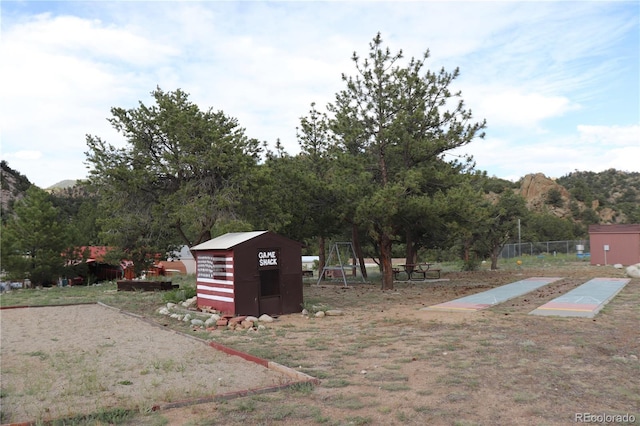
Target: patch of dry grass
500	366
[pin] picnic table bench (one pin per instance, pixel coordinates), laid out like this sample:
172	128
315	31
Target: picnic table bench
416	272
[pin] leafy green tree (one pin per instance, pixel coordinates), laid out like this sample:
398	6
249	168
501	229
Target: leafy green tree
78	207
546	227
554	198
427	207
500	224
322	196
34	240
494	184
283	202
589	217
271	203
465	212
183	172
582	192
396	121
631	210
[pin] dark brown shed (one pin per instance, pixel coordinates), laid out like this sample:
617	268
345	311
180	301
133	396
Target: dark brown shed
611	244
249	273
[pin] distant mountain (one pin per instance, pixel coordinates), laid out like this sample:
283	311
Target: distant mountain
68	183
14	185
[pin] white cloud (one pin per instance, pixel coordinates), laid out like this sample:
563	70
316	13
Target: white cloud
611	136
525	67
25	155
90	39
591	148
505	106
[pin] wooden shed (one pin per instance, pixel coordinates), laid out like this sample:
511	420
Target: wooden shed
611	244
249	273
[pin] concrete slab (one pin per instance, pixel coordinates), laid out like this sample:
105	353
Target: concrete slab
494	296
583	301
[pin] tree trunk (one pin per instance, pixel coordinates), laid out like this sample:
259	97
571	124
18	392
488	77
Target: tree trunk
494	258
358	249
322	259
411	254
465	253
385	260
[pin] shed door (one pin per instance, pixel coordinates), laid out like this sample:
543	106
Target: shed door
270	297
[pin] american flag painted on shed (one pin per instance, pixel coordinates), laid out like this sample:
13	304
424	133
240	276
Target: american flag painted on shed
215	277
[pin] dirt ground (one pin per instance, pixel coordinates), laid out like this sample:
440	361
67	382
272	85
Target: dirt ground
386	361
61	362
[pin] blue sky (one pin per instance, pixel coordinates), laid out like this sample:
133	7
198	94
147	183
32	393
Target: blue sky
558	82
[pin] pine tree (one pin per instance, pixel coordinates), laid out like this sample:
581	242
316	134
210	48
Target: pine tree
34	240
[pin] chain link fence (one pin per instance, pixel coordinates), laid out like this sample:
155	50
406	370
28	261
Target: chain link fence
579	248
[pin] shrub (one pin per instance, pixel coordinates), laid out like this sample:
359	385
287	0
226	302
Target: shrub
179	294
473	264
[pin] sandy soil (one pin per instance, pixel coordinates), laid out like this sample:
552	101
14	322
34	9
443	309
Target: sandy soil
64	361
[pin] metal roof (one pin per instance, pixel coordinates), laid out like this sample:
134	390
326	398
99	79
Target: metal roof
226	241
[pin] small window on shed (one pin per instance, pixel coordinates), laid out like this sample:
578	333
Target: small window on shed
270	282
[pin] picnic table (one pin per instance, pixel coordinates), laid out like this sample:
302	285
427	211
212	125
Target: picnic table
416	271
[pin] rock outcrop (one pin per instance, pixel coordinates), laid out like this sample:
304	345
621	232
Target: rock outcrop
535	189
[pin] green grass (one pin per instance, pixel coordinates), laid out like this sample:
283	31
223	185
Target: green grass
114	416
387	376
524	397
58	295
38	354
395	387
349	402
144	302
336	383
184	292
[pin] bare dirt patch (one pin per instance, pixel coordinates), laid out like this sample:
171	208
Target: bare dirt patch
386	361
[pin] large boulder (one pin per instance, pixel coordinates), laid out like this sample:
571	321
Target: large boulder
634	270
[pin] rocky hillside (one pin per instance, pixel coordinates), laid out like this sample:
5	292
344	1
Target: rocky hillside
609	191
13	186
608	197
536	190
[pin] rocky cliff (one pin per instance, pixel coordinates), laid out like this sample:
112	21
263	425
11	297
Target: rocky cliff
536	189
13	186
545	195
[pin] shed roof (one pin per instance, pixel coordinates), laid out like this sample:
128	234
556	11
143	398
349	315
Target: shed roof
631	228
226	241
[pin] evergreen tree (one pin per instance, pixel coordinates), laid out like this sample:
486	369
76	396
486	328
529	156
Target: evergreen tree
499	225
396	122
34	240
184	172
